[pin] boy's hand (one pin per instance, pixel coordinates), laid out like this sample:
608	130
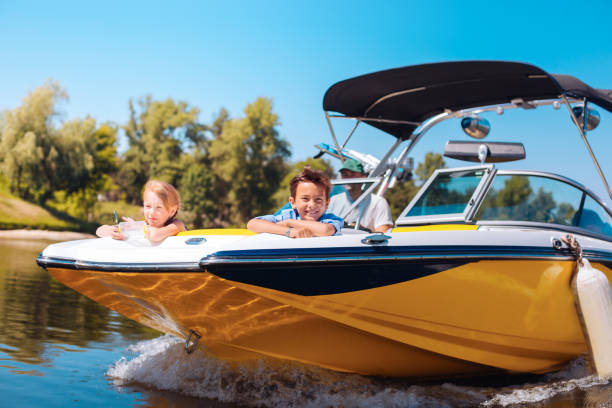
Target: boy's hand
300	232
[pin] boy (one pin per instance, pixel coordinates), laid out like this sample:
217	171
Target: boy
306	217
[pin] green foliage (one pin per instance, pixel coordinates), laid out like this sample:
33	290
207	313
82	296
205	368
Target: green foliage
432	162
103	211
198	191
400	196
63	167
565	214
515	193
157	135
28	147
249	159
281	196
404	191
16	213
227	171
517	201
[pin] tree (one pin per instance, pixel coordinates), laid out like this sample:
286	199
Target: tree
400	196
249	159
281	196
41	160
198	190
542	207
157	134
432	162
27	146
402	193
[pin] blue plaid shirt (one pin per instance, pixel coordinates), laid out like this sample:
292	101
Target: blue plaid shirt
292	214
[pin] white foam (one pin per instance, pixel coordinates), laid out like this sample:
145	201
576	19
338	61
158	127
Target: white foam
574	376
163	364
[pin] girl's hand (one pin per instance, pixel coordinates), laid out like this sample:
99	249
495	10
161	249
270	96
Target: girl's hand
128	219
153	233
115	234
109	231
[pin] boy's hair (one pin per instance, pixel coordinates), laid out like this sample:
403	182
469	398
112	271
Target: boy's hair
166	193
316	177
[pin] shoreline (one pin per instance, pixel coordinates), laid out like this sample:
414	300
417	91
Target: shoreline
44	235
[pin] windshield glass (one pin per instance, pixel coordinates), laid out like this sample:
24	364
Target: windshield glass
449	193
542	199
530	198
594	218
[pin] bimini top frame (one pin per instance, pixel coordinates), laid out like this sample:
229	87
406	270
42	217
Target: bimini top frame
406	102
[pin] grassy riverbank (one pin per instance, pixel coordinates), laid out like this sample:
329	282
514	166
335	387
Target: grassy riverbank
16	213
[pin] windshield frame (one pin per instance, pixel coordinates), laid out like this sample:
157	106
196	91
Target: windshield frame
471	205
471	209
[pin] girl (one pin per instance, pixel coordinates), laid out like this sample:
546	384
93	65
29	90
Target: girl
160	202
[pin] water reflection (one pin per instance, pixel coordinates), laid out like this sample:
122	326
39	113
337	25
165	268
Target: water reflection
36	310
58	347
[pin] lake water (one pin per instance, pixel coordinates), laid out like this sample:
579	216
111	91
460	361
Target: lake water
58	348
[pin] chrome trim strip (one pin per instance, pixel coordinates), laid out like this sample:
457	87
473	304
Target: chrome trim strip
485	256
49	262
481	191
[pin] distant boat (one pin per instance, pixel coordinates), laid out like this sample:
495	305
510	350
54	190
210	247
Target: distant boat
474	277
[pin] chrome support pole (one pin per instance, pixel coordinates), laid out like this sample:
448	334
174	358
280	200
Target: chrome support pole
582	131
331	129
381	166
425	128
350	133
383	187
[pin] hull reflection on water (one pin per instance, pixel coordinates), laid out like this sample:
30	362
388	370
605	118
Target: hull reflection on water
37	310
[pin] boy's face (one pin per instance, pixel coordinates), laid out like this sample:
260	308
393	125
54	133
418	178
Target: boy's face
310	201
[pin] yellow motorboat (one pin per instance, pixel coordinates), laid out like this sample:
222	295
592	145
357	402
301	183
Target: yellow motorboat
475	277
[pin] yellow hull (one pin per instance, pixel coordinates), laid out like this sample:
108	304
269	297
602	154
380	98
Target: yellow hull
479	317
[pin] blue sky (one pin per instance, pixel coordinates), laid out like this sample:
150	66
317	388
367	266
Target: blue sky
226	54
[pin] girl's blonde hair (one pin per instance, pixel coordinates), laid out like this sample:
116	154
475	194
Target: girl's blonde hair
167	194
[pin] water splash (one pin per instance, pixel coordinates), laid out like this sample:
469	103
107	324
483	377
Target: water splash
573	377
162	363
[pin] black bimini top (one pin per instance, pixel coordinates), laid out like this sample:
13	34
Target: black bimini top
418	92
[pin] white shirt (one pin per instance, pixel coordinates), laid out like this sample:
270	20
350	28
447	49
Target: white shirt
374	210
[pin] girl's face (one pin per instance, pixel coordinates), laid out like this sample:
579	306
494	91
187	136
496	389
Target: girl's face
155	212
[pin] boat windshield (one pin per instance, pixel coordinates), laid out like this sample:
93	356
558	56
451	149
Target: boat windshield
449	193
485	196
515	197
448	196
535	198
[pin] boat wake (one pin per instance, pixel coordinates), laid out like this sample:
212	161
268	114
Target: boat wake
162	363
